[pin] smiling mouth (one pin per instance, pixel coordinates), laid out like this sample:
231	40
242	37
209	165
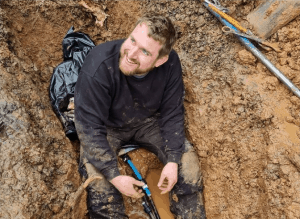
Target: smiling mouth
133	63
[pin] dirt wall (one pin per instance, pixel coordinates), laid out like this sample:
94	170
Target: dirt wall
242	120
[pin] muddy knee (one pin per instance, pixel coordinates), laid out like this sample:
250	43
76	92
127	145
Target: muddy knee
100	185
190	165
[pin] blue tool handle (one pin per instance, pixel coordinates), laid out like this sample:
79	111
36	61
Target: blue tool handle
137	174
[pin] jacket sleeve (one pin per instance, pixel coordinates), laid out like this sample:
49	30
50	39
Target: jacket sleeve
171	120
92	103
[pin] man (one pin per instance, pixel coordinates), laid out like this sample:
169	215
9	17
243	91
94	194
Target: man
132	91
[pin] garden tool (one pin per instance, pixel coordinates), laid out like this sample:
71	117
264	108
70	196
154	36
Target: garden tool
274	46
209	5
245	33
148	204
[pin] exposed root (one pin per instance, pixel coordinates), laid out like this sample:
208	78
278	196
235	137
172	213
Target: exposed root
75	197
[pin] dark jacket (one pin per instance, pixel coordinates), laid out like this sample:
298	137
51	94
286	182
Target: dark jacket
105	97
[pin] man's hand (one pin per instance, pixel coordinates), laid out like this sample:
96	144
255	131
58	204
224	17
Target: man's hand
127	186
168	177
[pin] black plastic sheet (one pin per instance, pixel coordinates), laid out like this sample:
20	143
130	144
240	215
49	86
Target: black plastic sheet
76	46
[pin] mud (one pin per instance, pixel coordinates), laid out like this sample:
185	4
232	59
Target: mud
161	202
242	121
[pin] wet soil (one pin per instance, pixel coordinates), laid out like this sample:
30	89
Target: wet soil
243	122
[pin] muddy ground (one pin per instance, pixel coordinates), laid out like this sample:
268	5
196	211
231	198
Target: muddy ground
243	122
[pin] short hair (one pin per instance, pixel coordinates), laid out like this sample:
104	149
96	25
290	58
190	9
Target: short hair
160	29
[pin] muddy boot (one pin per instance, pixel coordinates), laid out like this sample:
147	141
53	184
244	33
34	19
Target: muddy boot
186	198
104	200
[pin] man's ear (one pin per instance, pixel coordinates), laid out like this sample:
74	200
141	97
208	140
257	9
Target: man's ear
161	61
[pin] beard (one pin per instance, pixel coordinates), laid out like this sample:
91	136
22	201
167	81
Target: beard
132	71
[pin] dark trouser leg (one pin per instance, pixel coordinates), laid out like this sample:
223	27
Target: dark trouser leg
104	200
186	197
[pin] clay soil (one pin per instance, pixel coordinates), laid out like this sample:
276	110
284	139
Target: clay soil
243	122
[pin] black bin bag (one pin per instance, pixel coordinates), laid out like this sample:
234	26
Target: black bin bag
76	46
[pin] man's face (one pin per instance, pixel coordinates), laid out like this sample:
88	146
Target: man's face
139	52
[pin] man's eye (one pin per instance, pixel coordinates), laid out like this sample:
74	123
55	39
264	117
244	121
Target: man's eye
145	52
132	40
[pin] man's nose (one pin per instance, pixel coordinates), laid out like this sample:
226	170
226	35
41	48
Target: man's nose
132	53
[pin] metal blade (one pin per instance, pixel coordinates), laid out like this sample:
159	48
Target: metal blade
127	149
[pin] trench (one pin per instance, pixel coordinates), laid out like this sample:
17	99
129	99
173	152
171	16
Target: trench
243	123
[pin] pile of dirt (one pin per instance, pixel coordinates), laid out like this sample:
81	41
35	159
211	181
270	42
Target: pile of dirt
243	122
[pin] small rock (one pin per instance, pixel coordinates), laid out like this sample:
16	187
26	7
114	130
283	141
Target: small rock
245	57
55	208
40	168
200	22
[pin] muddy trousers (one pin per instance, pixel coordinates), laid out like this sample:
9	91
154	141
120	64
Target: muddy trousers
186	197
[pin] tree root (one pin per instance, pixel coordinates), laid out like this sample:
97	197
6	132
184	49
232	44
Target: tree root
75	197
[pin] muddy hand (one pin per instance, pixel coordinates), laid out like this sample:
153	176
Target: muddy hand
168	177
127	186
